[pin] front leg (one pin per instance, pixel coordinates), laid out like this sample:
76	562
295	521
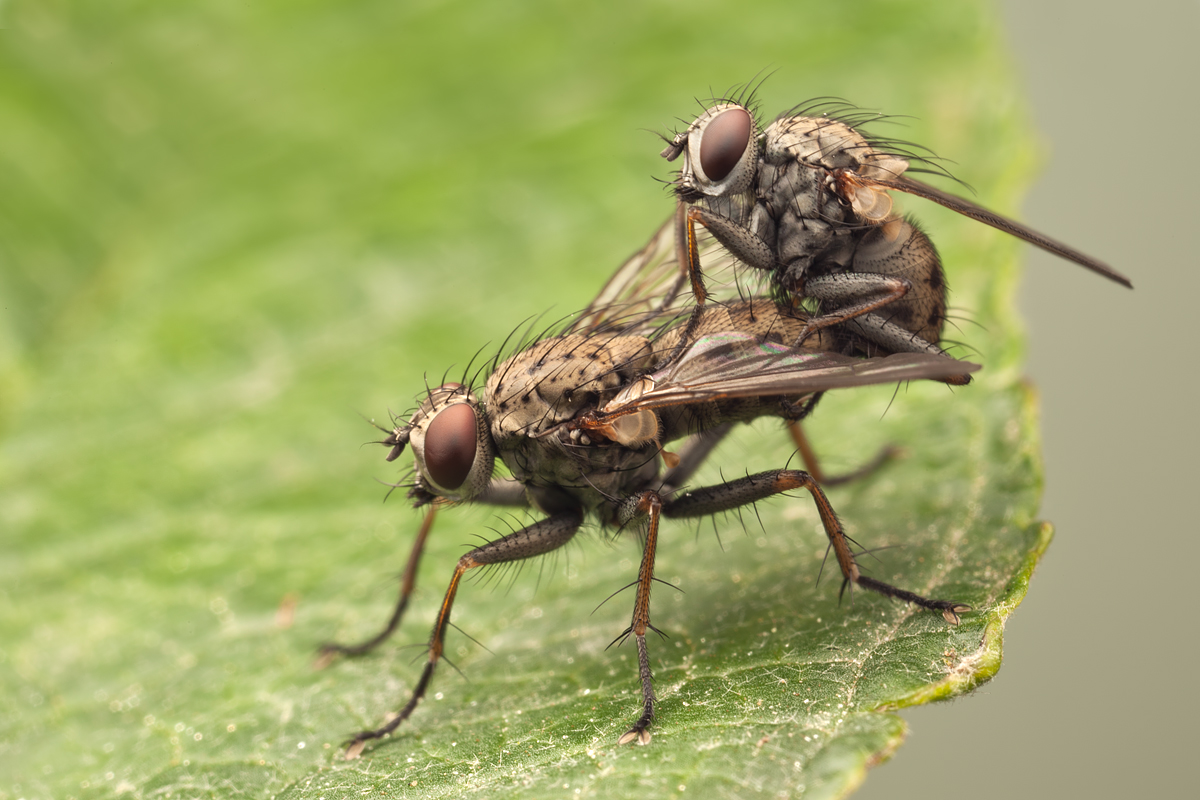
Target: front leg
728	496
740	241
408	583
534	540
501	492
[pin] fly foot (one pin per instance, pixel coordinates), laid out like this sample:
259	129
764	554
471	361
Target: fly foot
638	732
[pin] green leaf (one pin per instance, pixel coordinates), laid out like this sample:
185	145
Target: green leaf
227	229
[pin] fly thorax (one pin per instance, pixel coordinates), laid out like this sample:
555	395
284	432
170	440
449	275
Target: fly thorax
791	188
816	142
802	239
557	379
762	224
839	157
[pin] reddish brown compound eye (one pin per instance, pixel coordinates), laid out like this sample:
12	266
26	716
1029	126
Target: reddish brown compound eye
450	444
725	139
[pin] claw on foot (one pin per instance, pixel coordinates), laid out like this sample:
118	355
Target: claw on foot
325	657
354	750
951	614
642	736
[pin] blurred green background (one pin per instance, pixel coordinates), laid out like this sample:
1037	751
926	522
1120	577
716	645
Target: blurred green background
226	230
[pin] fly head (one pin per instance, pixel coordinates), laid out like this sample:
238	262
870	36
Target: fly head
451	443
720	153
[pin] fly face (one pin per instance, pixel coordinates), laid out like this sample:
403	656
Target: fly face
806	200
452	447
725	155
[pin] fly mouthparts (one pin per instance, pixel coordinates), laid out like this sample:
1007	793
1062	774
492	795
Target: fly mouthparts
397	441
423	497
672	150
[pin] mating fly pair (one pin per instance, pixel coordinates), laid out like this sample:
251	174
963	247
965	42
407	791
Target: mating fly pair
581	419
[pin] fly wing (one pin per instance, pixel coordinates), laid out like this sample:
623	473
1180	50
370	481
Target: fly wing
1011	227
729	365
648	289
651	288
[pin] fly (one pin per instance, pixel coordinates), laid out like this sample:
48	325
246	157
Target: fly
806	200
581	421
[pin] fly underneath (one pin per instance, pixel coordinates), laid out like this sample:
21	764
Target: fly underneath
581	420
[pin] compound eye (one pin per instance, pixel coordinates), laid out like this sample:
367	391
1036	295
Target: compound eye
450	444
725	139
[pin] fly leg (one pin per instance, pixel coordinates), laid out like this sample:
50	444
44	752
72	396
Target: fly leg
687	256
894	266
890	261
728	496
793	413
408	582
499	492
649	504
854	293
813	464
850	295
894	248
534	540
697	450
861	317
898	339
741	242
896	251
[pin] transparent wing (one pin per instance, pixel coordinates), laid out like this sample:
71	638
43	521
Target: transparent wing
980	214
647	288
651	288
732	364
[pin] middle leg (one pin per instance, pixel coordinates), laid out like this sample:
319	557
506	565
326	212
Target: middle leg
793	413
